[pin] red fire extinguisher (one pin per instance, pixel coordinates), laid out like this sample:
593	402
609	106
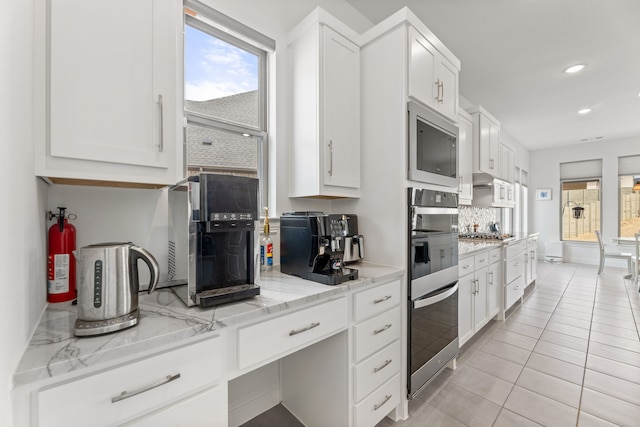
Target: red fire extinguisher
61	264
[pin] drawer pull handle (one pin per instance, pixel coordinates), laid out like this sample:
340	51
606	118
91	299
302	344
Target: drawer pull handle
127	394
306	328
384	328
380	368
383	299
381	404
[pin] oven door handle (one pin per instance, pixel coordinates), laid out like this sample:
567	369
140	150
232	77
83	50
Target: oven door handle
423	302
424	210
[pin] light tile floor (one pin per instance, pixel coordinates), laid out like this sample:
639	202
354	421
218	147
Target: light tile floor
568	356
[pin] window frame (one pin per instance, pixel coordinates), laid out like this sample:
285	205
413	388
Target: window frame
620	201
561	204
230	31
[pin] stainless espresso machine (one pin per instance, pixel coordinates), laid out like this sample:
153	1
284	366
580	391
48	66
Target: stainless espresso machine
312	246
214	252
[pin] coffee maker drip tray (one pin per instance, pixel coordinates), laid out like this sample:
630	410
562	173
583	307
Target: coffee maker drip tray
328	278
227	294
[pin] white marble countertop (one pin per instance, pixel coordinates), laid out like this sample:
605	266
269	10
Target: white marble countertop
164	320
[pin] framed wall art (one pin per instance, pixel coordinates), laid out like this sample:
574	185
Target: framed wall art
543	194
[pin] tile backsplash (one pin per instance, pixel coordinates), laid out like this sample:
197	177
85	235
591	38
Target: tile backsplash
470	215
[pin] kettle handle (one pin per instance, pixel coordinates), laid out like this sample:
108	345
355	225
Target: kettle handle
154	268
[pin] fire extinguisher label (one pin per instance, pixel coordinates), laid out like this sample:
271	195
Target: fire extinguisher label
58	274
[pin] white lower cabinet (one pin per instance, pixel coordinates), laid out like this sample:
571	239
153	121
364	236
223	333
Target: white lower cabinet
494	281
531	260
260	342
377	353
160	387
478	293
514	272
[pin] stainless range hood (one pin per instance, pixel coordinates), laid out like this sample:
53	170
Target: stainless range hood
483	180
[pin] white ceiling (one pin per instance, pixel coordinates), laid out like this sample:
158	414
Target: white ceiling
513	54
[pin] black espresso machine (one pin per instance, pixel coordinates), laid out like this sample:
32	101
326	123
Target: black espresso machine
214	252
312	246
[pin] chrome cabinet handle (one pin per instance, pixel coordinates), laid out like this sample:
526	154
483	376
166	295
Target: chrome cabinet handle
483	260
306	328
383	299
441	92
381	367
490	163
127	394
491	278
379	405
330	157
384	328
441	253
161	138
437	83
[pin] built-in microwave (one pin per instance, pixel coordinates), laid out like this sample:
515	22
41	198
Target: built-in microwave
433	147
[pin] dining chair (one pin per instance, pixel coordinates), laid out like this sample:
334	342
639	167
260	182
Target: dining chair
607	253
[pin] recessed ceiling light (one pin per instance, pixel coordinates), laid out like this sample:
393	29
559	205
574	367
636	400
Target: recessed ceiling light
584	111
574	68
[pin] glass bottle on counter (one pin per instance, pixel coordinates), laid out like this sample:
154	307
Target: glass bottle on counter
266	246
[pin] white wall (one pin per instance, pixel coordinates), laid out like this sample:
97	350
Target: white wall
22	218
545	173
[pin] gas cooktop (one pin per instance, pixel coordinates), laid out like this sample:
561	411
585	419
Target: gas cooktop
484	236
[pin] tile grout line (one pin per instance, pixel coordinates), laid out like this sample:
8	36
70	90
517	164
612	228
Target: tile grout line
532	351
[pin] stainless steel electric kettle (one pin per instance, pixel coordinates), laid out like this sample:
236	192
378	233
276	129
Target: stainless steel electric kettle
108	286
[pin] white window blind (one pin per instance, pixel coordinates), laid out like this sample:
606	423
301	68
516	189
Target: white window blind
581	169
629	165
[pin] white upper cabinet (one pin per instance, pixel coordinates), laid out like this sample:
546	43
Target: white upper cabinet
325	108
465	157
113	94
507	163
486	142
433	79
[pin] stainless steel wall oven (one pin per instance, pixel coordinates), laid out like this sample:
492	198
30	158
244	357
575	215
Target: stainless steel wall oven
433	285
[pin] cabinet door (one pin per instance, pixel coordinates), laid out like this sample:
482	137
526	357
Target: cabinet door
480	299
466	287
465	156
533	261
447	78
493	288
341	101
489	153
109	67
422	61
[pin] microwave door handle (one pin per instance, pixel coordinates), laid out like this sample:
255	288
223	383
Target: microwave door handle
420	303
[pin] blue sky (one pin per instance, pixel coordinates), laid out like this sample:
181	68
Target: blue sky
214	68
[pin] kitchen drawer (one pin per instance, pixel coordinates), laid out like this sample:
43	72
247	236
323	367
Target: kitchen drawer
481	260
88	400
374	408
513	292
514	267
373	301
515	249
190	411
465	266
377	332
374	371
495	255
280	336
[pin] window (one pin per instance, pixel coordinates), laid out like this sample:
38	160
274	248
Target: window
225	102
580	210
629	205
